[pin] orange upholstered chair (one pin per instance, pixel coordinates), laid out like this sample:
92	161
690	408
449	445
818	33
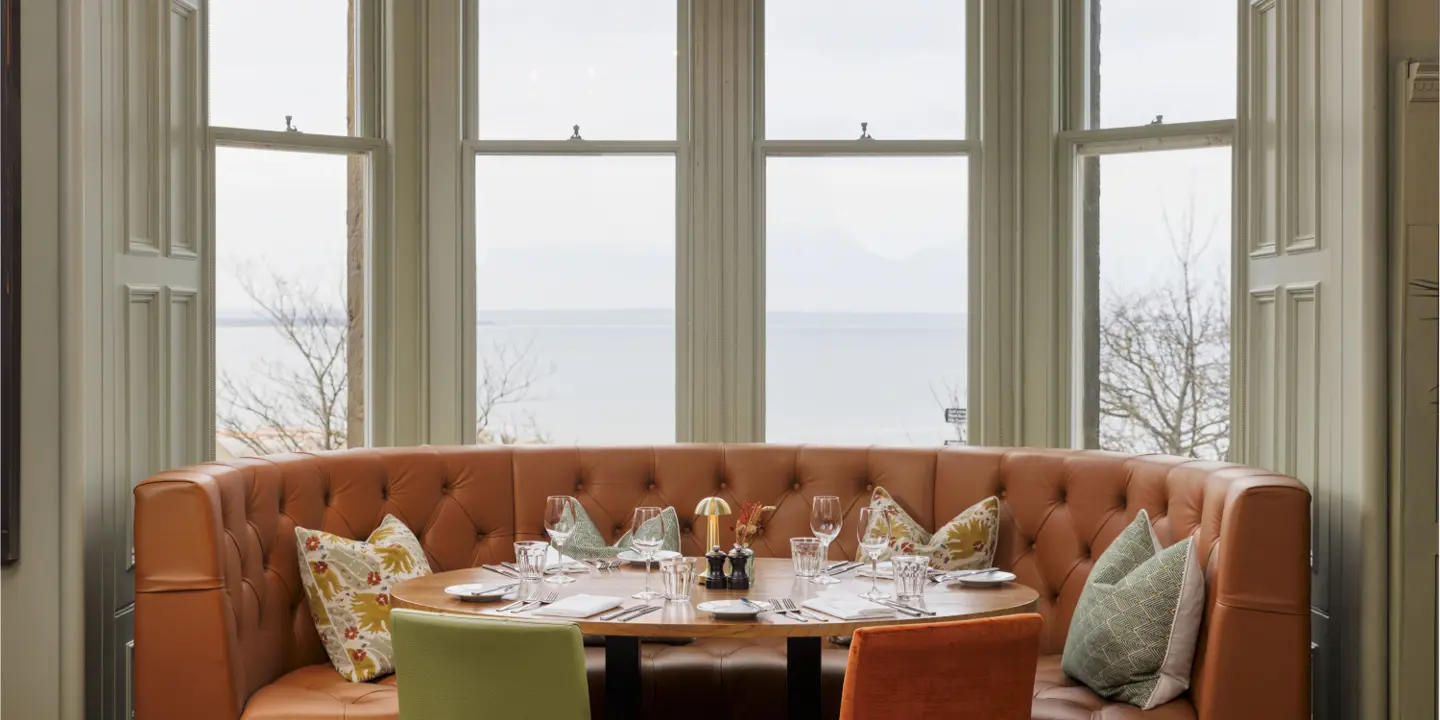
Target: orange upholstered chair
969	669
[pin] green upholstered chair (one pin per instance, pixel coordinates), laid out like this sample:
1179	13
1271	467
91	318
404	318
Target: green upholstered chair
458	668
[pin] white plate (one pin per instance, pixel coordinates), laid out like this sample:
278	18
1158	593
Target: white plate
731	609
636	558
994	578
480	592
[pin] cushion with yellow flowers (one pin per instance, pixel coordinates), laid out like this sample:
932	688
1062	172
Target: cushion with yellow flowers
348	585
967	542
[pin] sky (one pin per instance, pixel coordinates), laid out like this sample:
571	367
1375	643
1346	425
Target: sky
890	234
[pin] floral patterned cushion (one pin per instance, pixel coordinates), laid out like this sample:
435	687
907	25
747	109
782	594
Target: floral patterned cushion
967	542
348	585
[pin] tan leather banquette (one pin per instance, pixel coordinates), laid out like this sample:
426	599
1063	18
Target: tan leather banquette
222	630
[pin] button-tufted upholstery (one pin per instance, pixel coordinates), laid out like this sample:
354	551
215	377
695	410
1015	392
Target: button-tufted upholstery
222	626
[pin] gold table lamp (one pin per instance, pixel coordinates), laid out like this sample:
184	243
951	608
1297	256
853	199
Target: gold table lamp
712	508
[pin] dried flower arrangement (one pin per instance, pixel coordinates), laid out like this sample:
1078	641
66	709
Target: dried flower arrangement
750	522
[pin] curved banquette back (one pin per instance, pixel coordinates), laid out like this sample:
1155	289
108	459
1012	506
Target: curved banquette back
220	611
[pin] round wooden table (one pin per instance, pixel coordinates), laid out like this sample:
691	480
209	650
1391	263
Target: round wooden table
772	578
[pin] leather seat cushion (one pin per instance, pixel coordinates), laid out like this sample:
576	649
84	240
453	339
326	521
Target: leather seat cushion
318	692
747	676
1057	697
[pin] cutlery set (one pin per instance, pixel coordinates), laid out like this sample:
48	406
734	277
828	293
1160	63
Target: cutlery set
533	603
630	613
784	607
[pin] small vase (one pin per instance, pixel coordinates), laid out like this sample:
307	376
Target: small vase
739	568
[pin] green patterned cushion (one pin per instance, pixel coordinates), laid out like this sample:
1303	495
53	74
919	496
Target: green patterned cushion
1134	631
587	543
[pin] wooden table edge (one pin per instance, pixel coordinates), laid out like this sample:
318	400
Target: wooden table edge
652	625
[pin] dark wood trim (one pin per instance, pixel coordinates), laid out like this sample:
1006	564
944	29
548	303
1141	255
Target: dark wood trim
10	283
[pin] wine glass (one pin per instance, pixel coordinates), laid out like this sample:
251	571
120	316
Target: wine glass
874	538
825	522
560	524
647	534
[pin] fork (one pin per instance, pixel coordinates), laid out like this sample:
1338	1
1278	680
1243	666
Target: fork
790	604
552	597
518	602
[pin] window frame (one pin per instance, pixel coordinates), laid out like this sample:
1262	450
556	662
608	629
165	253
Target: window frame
765	148
368	142
472	147
1077	395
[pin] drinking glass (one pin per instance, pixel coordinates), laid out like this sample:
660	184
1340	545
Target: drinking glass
805	553
560	524
825	522
677	577
911	572
874	535
647	533
530	558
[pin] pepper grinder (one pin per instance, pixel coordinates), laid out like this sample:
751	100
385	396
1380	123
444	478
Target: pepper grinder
715	579
739	578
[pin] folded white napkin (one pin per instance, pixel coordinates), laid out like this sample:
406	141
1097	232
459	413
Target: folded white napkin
580	606
849	608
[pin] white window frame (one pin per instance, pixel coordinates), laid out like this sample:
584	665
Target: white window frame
1073	147
368	142
472	147
765	148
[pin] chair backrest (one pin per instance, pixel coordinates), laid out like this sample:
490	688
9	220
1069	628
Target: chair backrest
220	610
981	668
459	668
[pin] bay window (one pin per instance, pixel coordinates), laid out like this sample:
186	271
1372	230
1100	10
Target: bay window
295	161
739	220
1147	184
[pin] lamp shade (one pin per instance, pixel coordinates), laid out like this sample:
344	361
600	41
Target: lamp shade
712	506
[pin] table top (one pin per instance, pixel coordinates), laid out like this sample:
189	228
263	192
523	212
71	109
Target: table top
772	577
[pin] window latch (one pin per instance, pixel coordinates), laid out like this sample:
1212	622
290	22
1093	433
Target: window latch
576	135
865	131
289	127
1159	120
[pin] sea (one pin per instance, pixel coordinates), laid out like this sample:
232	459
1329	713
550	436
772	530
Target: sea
608	377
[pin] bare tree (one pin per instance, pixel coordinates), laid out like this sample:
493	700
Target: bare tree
296	400
508	375
287	406
1165	358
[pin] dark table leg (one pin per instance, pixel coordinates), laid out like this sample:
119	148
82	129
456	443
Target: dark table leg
622	677
802	678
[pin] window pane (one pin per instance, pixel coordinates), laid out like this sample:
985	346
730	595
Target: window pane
1159	306
866	299
290	239
272	58
548	65
575	296
1174	58
831	65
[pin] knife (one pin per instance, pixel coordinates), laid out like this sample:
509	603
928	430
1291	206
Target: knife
612	614
911	611
620	615
507	572
644	611
843	568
